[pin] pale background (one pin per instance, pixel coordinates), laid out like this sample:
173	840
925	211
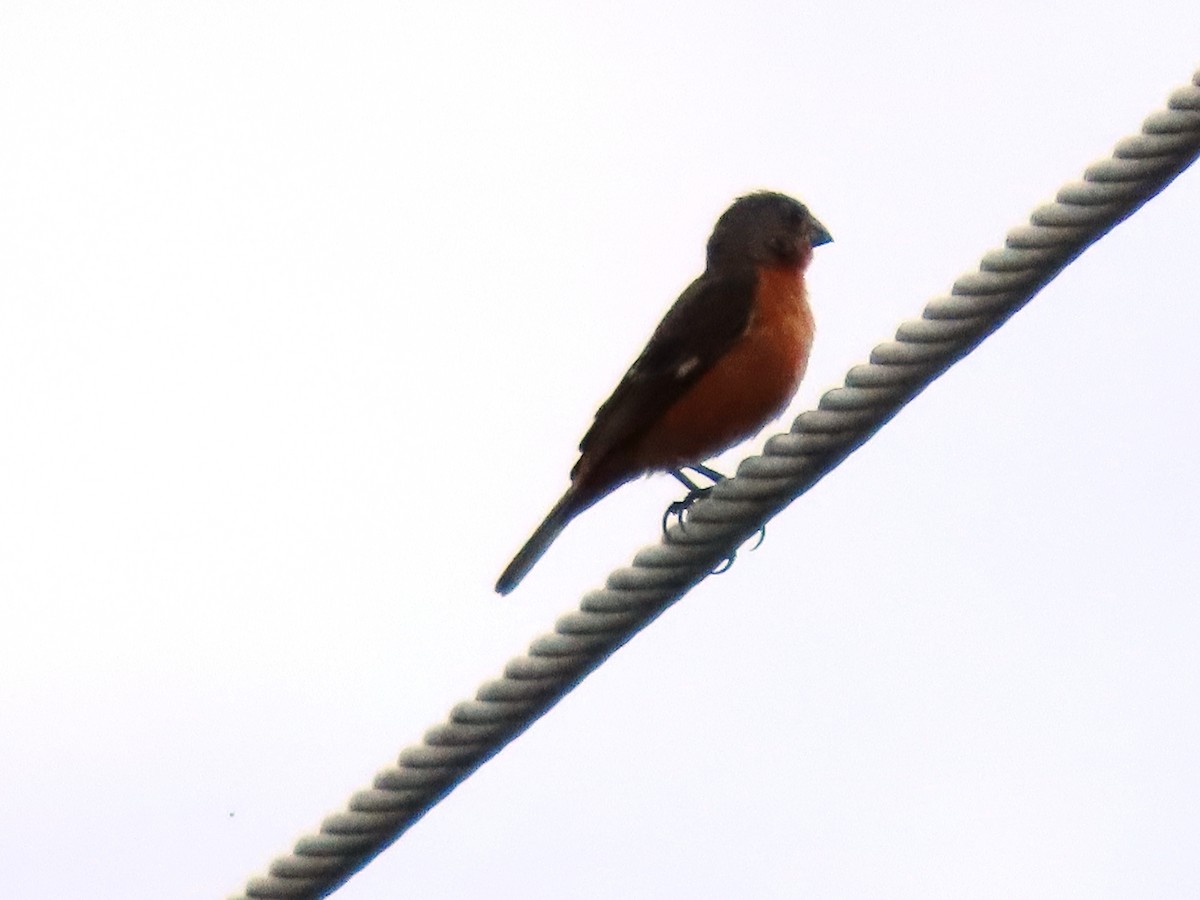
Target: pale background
303	309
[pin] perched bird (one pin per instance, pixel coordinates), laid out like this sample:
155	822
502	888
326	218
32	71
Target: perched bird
725	360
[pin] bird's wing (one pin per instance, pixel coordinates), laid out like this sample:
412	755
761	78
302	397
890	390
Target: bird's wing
697	330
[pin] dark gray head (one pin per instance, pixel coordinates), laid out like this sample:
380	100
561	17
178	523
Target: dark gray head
765	228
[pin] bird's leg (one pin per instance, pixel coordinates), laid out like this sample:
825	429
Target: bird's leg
679	508
695	492
711	474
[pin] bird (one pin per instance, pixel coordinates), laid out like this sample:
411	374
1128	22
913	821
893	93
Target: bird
725	360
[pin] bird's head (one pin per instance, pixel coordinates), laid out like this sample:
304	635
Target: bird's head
765	228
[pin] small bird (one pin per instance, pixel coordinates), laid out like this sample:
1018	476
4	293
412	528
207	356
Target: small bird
725	360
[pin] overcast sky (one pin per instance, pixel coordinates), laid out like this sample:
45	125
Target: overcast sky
303	310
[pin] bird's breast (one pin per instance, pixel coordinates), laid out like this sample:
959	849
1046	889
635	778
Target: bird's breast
750	385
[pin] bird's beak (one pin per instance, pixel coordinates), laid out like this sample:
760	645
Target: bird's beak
820	234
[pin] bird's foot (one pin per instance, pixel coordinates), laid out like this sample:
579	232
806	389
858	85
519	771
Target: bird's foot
680	508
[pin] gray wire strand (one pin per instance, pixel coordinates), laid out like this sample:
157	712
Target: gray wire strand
949	328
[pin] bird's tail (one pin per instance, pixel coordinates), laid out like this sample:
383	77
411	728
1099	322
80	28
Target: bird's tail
567	508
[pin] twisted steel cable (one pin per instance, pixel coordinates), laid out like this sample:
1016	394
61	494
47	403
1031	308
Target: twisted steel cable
949	328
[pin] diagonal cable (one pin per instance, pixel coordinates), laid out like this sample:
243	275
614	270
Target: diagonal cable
949	328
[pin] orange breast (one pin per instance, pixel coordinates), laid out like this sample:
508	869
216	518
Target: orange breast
748	387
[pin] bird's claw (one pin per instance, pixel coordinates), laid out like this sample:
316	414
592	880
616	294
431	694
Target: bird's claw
680	508
727	563
762	536
724	565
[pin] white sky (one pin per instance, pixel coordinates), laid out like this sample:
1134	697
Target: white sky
303	309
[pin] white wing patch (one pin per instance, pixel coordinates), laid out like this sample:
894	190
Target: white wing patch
687	367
